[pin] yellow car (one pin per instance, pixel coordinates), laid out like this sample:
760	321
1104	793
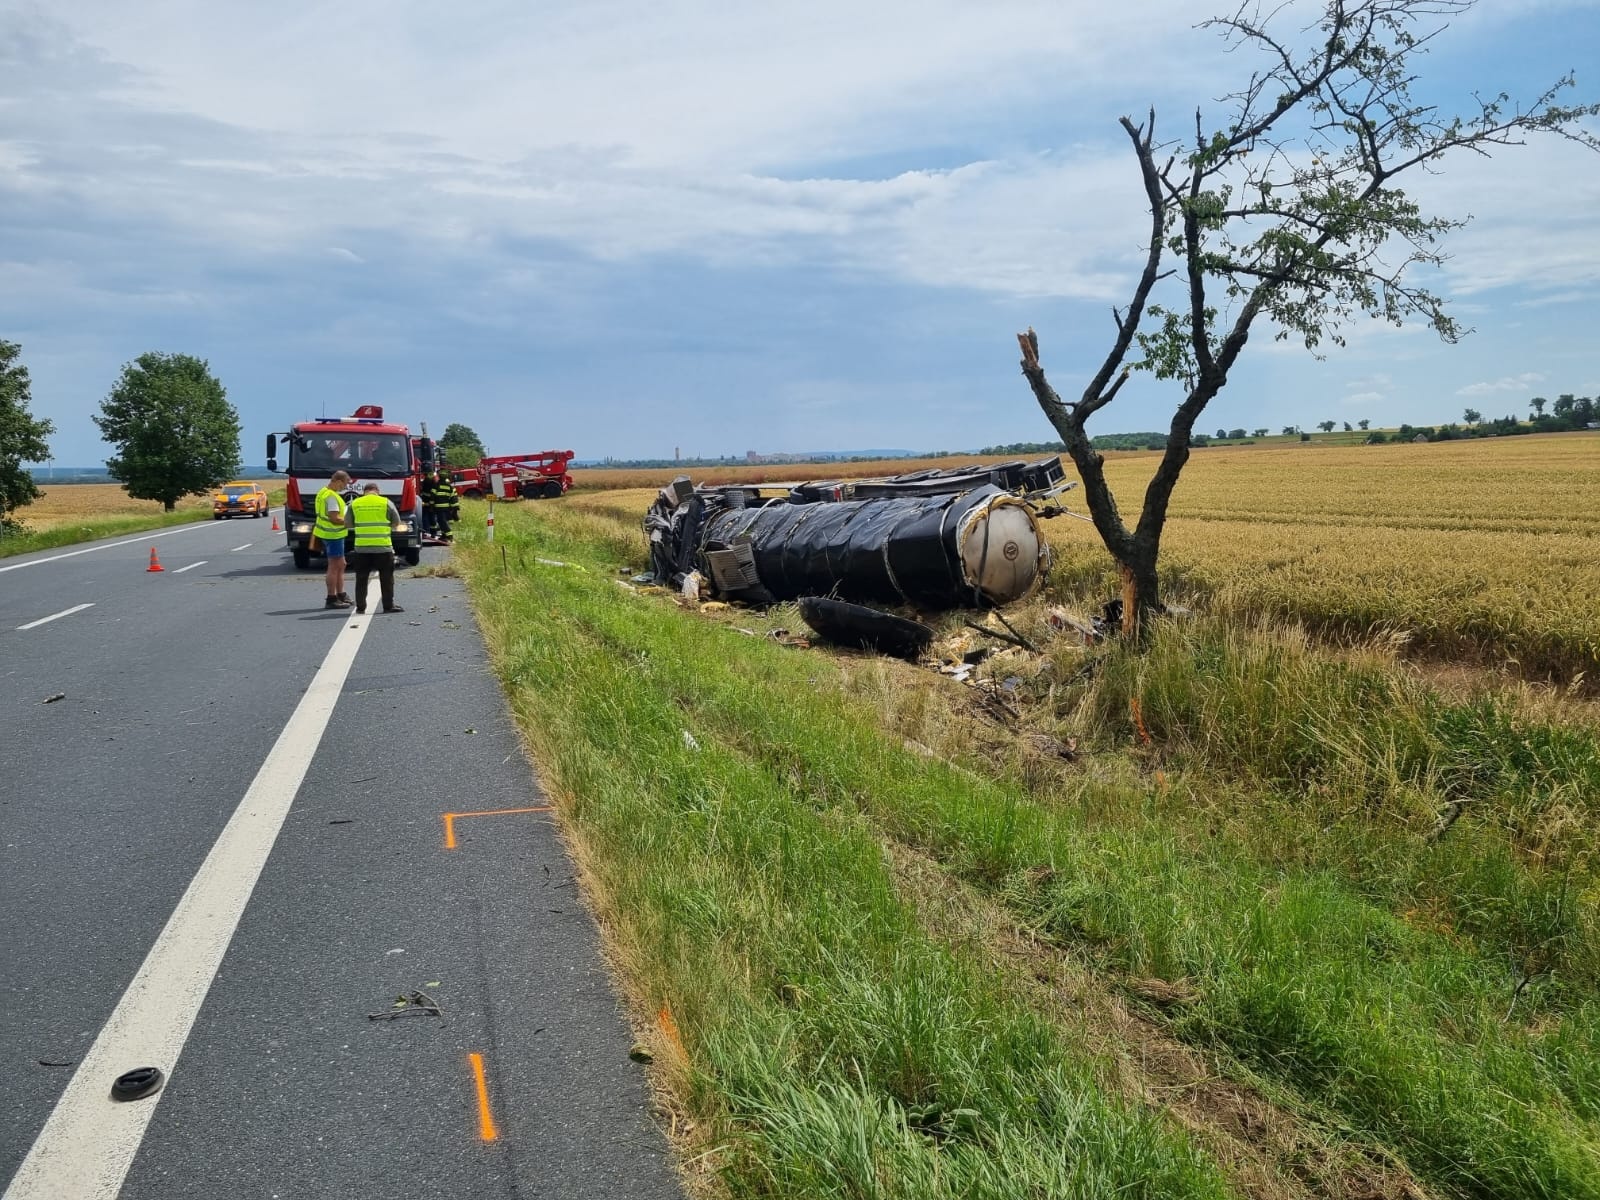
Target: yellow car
241	498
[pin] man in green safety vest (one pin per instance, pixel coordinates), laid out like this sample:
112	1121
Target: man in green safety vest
330	529
373	517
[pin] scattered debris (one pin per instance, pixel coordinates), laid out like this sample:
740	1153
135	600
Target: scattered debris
53	699
864	628
688	741
57	1062
408	1003
640	1053
139	1082
341	821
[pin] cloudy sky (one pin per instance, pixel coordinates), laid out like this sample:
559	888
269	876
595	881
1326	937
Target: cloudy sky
632	229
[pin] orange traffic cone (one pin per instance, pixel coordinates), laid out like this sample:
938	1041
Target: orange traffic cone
275	528
155	563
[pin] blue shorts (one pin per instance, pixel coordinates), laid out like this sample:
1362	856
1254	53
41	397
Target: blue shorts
334	548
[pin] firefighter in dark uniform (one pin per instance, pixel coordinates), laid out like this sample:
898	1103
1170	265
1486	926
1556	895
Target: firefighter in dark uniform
438	504
430	503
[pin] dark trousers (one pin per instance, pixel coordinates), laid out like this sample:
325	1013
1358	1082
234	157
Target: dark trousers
365	563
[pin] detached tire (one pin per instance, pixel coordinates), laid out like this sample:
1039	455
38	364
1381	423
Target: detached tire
863	628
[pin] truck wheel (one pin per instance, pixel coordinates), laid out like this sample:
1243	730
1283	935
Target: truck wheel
412	557
552	490
302	558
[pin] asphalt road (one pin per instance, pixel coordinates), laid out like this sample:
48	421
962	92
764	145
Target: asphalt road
223	846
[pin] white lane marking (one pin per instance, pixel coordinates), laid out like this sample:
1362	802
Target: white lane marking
143	537
89	1141
190	567
65	612
246	546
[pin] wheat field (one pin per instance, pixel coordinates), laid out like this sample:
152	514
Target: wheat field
70	504
1488	549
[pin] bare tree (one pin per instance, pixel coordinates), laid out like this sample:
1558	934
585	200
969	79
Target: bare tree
1286	211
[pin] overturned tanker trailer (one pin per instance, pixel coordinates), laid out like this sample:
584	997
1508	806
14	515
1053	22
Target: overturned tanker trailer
930	539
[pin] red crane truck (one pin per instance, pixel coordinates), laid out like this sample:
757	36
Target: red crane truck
538	476
369	449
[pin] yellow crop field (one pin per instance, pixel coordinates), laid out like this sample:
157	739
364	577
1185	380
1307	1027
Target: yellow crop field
70	504
1486	549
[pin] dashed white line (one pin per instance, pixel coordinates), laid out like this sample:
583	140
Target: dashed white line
90	1140
190	567
143	537
65	612
246	546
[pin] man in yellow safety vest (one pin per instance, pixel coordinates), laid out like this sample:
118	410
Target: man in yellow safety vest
373	517
330	529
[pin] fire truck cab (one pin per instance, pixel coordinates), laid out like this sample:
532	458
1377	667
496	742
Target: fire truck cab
369	449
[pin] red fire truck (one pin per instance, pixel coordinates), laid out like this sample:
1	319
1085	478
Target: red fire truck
539	476
369	449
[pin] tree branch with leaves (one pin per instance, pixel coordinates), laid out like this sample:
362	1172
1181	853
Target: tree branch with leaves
1287	212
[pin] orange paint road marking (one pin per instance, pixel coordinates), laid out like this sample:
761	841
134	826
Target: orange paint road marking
450	820
486	1129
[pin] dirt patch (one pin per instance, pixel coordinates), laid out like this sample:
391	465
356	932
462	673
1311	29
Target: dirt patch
1267	1151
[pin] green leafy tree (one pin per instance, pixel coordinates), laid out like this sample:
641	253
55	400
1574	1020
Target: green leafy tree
460	438
1472	416
1262	432
22	436
1285	208
1236	434
1290	430
461	455
1325	426
1538	403
1362	425
1347	428
174	431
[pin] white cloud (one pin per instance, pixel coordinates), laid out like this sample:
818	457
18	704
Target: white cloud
549	157
1553	299
1511	383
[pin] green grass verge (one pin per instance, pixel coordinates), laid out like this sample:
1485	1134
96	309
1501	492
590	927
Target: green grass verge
833	1050
1400	1030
